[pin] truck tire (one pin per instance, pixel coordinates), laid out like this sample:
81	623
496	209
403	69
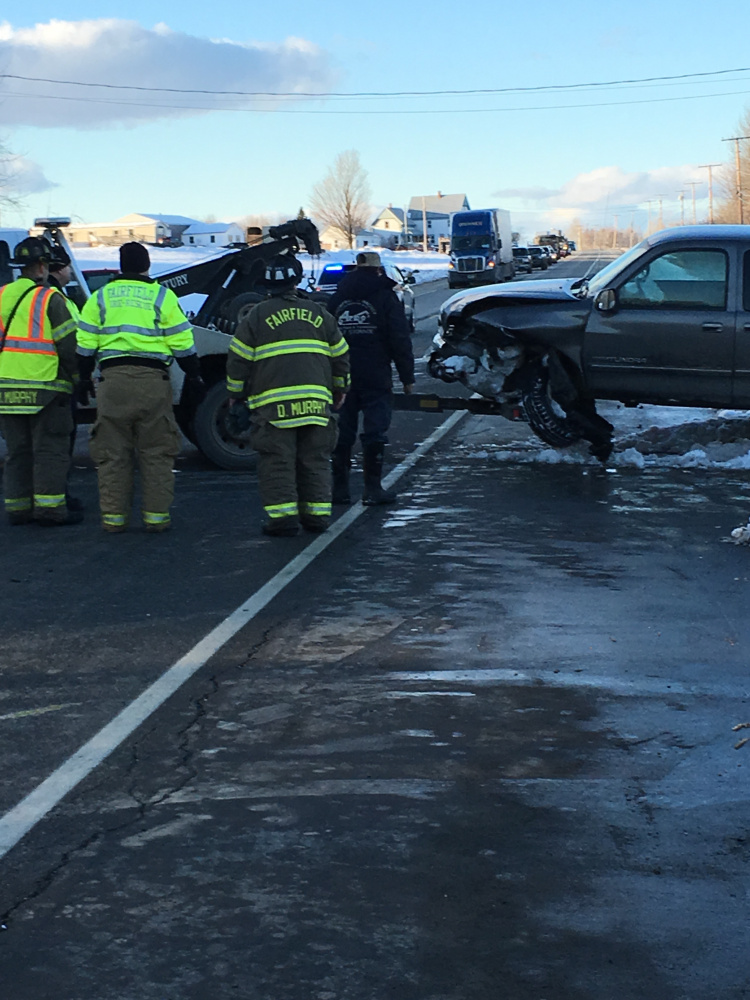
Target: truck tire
213	439
545	417
241	305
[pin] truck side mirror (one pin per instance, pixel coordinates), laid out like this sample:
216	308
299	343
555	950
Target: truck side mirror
606	300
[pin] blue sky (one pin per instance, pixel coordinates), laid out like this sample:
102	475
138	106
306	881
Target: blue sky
546	155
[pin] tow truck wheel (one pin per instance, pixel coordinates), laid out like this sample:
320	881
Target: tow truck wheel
546	418
213	438
240	306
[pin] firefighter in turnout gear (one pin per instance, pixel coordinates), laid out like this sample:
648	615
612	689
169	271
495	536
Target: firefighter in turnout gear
134	328
37	372
290	363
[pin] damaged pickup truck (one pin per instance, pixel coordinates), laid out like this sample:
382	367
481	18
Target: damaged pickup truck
666	323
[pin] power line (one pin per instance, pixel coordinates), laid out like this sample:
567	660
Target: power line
375	93
422	111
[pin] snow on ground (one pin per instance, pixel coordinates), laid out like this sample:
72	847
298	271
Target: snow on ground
428	266
644	437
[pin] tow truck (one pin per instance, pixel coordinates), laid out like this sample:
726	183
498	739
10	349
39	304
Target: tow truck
231	284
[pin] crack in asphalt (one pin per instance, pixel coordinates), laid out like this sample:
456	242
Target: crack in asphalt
185	747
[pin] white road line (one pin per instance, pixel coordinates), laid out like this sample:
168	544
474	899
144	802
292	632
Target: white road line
19	820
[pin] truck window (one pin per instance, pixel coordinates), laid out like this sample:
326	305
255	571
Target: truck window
683	279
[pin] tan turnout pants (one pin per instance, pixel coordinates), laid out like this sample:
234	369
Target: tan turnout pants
36	469
294	471
135	422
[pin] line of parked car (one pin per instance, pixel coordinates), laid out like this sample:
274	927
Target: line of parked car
528	259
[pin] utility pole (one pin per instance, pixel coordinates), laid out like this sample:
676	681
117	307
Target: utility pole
709	167
424	226
614	234
693	184
632	227
681	196
736	140
648	227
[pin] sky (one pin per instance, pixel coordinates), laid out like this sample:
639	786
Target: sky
122	113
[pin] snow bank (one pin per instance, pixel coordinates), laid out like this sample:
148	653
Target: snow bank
644	437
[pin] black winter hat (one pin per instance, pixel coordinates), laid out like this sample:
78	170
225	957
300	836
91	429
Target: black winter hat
134	258
60	259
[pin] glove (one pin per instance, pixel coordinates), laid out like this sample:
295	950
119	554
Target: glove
84	391
196	389
237	420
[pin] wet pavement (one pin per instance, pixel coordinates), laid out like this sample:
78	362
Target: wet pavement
481	747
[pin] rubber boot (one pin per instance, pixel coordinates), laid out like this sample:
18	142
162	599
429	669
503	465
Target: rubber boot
341	463
372	458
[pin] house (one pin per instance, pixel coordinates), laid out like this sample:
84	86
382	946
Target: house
135	227
175	224
436	211
220	234
143	227
390	222
333	238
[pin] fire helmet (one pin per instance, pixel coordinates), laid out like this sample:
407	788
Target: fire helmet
32	250
281	272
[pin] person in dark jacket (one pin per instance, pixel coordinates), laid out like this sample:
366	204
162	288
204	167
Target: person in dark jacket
372	320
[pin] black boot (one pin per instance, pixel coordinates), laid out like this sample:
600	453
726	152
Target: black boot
341	463
372	458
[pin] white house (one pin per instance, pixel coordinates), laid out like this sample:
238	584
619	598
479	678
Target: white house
390	223
134	227
333	238
220	234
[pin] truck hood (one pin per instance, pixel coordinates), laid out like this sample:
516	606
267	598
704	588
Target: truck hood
546	289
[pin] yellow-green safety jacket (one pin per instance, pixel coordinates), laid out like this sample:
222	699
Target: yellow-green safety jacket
134	320
37	358
286	358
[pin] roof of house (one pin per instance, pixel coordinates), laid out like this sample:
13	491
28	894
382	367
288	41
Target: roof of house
441	203
168	220
417	214
205	228
397	212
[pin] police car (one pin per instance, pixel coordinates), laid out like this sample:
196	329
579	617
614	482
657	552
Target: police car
333	273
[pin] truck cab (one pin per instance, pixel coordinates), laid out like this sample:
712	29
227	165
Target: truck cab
481	248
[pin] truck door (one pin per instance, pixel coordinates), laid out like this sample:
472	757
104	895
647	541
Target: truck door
741	393
671	336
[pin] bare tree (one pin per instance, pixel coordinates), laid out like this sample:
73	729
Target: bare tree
727	208
342	198
8	171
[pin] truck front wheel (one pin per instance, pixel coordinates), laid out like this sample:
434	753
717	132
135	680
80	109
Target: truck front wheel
546	418
212	437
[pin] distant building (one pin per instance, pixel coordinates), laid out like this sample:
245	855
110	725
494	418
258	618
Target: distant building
218	234
333	238
154	229
437	210
390	223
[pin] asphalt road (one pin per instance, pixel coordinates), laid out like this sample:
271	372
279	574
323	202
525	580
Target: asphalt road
479	746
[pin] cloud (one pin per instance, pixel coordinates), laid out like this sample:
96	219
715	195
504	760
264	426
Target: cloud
610	188
119	52
20	176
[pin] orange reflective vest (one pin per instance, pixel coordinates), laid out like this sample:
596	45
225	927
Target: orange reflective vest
29	362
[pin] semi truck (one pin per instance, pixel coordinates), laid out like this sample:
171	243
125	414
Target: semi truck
555	240
481	248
